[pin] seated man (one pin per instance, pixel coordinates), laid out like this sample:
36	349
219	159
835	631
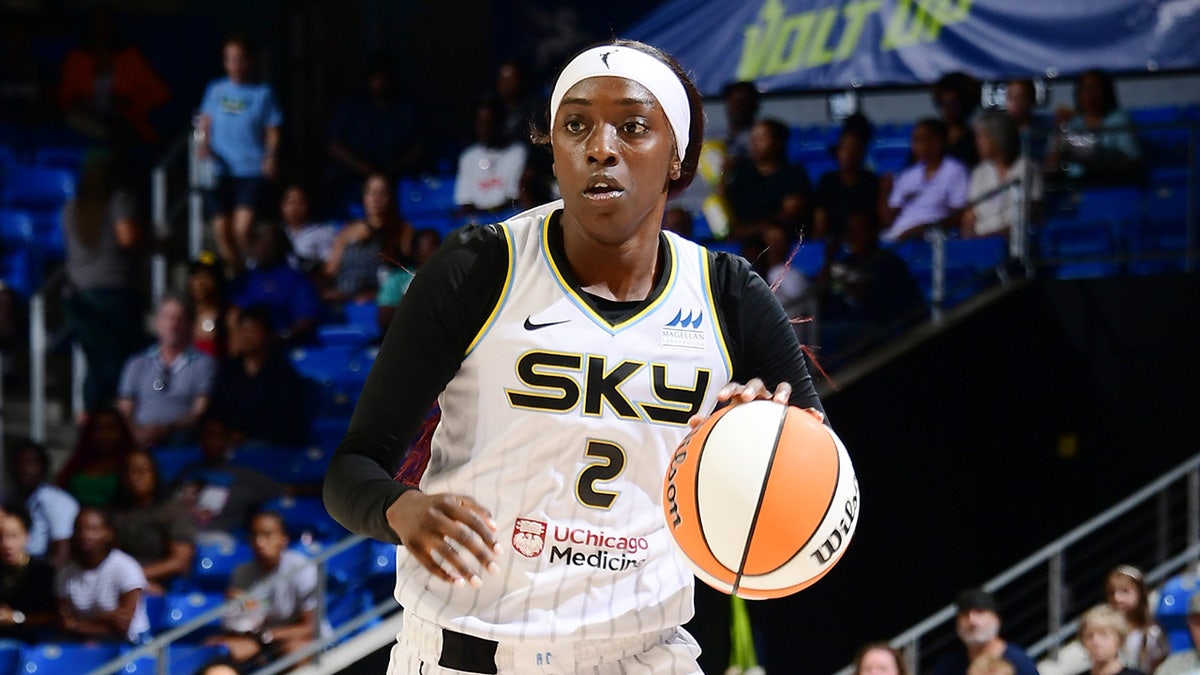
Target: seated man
289	295
933	191
258	394
978	626
284	619
490	171
218	495
764	186
101	590
165	389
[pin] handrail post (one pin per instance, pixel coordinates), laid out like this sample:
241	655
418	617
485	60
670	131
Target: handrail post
937	244
78	373
1054	607
162	664
158	204
1193	512
37	367
912	655
197	180
322	609
1162	527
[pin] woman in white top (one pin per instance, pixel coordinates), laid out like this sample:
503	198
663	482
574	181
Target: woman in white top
995	193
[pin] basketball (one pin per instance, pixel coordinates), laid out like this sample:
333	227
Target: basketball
761	499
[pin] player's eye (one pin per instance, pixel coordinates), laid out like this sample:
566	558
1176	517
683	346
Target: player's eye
573	126
634	127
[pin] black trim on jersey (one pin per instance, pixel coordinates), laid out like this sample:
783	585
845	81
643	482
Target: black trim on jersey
449	301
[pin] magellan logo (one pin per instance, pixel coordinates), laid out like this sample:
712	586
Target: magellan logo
779	42
684	330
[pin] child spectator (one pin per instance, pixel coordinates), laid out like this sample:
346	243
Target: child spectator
285	620
852	186
987	664
955	97
239	129
102	238
310	241
92	474
1146	644
1103	630
932	191
257	394
879	658
490	171
287	293
996	205
764	186
1097	140
51	509
165	389
152	529
209	304
395	284
26	583
361	247
101	590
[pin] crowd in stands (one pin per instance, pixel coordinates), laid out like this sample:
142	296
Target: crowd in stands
220	374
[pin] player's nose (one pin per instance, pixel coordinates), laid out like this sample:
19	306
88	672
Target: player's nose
602	145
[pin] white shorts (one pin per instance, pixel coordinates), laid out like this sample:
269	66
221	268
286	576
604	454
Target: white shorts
672	651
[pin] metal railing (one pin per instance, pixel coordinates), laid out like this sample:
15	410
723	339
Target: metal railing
1067	575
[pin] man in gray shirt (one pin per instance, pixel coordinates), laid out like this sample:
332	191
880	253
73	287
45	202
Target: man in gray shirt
164	390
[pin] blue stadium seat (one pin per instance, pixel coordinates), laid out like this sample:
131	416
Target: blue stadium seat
10	657
17	270
307	466
327	432
348	605
156	611
1112	204
381	559
291	466
172	461
36	188
819	167
184	659
363	315
16	227
66	659
306	515
63	157
183	607
339	370
344	569
1072	239
810	258
428	194
215	562
980	254
1159	115
344	335
8	157
1171	611
888	158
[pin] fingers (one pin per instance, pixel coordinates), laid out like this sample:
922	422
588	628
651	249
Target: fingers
783	393
753	390
452	536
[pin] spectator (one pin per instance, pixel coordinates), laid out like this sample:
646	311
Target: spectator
239	131
165	389
1020	97
218	495
1096	141
108	89
933	191
376	131
764	186
852	186
865	290
310	241
151	528
879	658
742	102
790	287
102	237
92	474
978	626
395	284
1103	630
257	394
362	247
490	171
1186	662
52	510
519	108
100	591
955	97
1146	645
285	619
289	295
26	583
996	205
210	306
986	664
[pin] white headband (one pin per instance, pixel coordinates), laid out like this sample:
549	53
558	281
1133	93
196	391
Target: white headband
631	64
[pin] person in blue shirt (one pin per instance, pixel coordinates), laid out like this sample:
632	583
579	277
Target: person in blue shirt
978	626
287	294
239	130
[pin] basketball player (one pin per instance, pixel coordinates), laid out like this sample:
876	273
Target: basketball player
568	348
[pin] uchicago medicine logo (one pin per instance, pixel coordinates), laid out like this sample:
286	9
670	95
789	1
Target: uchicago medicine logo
579	546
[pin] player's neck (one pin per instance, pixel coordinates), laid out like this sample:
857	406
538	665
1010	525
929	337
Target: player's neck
621	272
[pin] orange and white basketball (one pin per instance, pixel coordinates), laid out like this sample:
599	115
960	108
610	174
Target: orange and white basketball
761	499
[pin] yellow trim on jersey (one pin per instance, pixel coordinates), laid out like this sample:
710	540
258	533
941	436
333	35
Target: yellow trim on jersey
706	275
673	259
508	282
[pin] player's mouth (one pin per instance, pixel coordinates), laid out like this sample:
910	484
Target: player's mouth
602	187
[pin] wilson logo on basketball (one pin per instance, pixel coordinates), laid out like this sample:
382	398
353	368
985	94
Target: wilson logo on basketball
684	330
680	456
529	537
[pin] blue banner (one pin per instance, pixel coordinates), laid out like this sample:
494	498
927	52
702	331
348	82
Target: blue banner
790	45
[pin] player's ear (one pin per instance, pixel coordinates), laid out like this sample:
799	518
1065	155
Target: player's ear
676	168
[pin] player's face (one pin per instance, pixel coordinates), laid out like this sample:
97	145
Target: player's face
613	157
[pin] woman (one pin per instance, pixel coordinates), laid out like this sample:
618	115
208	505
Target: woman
210	307
1097	139
102	237
879	658
92	474
497	329
362	246
1146	646
311	242
1103	630
996	192
100	592
852	186
51	509
26	583
151	528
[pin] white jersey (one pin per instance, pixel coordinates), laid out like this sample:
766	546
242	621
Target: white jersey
562	425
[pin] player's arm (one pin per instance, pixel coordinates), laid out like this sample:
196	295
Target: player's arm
437	318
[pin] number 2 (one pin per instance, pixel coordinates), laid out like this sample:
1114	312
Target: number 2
610	463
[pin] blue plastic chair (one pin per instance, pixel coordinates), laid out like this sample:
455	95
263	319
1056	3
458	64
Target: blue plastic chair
344	569
215	562
8	157
980	254
1112	204
381	559
1079	239
810	258
66	659
10	657
1157	115
427	194
363	315
888	158
308	466
37	188
306	515
156	609
184	659
344	335
172	461
1171	611
17	269
183	607
16	226
64	157
327	433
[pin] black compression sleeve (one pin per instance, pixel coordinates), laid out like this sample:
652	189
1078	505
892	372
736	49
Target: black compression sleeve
760	338
446	305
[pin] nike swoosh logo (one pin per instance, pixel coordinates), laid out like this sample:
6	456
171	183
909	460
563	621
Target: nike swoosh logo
529	325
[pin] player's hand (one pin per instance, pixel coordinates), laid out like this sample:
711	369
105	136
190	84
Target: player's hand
452	536
736	393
